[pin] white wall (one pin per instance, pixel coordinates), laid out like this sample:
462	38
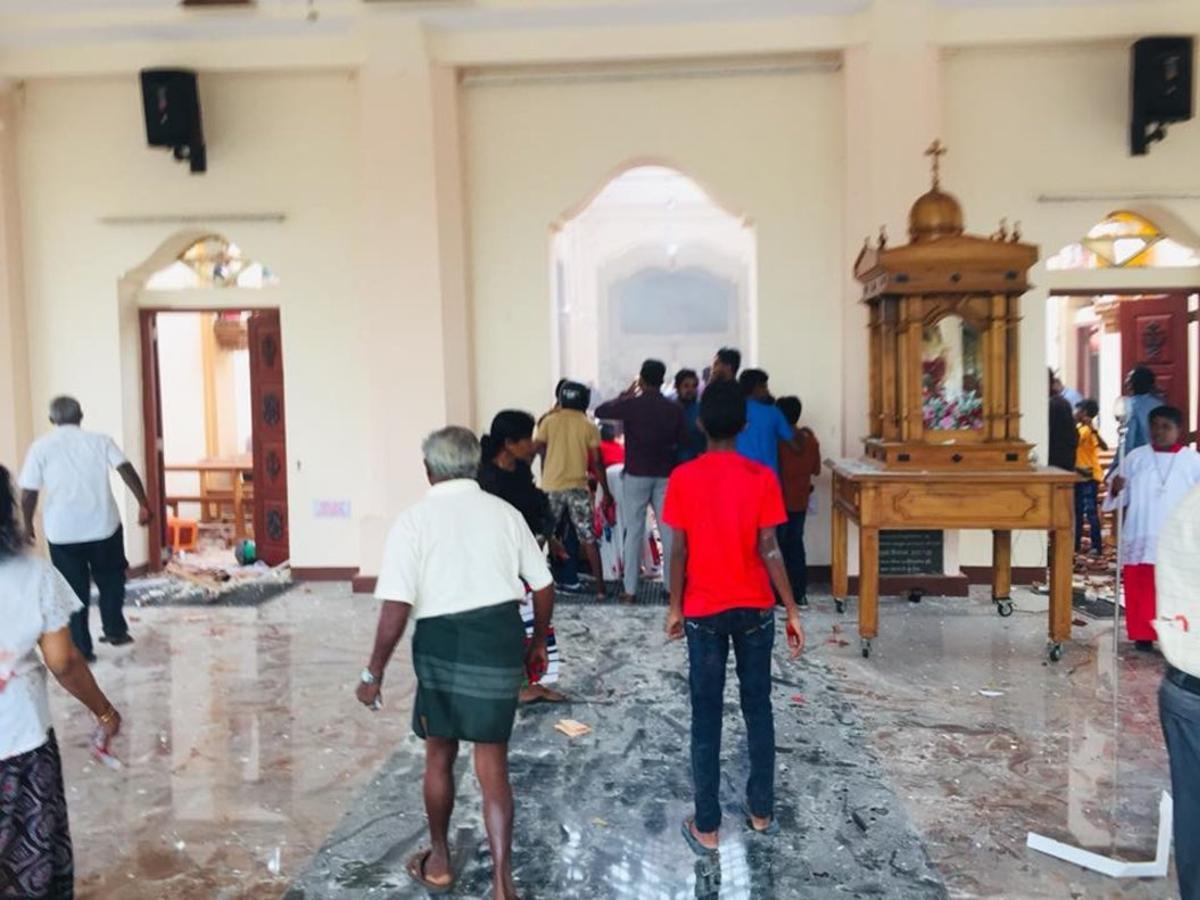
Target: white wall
767	146
181	377
1022	122
284	143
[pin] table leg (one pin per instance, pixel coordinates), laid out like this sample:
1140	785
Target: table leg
868	584
1001	564
239	518
1062	560
840	569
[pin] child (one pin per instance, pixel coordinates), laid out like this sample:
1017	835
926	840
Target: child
797	468
1087	464
1152	481
725	558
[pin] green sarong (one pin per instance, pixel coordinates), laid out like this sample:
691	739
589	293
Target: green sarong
469	667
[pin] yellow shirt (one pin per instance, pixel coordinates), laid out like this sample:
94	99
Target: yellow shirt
570	437
1087	456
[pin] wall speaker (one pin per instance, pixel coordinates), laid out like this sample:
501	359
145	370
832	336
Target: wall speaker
1162	89
171	103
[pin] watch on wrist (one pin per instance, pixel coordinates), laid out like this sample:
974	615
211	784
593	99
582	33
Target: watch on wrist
367	678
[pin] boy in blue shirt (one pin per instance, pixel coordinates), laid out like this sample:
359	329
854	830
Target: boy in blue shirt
765	424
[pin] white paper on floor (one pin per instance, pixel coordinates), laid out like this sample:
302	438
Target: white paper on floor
1106	865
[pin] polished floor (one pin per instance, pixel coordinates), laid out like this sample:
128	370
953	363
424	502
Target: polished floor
251	772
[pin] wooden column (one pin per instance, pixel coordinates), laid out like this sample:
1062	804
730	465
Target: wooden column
995	388
868	582
889	382
875	340
1001	564
911	323
1013	367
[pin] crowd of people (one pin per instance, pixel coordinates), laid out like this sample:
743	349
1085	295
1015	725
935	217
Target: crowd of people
726	472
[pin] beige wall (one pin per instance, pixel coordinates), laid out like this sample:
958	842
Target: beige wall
276	143
768	146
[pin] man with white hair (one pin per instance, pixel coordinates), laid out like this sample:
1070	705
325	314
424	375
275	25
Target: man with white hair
83	526
458	562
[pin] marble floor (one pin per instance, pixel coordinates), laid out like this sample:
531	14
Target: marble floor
251	772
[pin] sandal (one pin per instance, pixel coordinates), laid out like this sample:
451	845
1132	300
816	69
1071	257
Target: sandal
694	842
415	867
771	830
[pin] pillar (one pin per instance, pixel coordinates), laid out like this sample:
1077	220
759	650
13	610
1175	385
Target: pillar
16	420
415	337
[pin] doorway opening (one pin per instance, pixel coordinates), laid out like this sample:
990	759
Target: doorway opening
650	267
1096	335
213	411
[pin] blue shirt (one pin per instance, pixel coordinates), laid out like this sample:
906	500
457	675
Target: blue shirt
696	442
1139	407
765	428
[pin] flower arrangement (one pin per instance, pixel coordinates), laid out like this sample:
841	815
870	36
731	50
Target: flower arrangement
942	412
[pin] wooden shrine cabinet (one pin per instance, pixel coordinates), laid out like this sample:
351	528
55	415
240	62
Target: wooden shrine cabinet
944	449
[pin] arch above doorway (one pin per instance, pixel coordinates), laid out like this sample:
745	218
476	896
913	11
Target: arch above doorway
647	240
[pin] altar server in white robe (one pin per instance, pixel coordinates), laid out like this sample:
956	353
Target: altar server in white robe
1153	480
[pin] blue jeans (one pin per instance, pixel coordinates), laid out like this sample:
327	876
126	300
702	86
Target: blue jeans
795	559
1179	710
752	632
1086	503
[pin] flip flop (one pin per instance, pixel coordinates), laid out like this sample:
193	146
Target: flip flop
770	831
415	867
694	842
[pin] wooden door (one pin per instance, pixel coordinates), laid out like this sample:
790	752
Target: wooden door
1154	333
152	427
270	446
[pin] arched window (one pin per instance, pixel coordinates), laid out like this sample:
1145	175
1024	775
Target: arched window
212	262
1124	240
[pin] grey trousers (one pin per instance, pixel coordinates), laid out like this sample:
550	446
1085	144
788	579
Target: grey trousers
638	492
1180	713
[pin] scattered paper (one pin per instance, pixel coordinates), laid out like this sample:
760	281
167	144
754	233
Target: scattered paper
986	693
572	729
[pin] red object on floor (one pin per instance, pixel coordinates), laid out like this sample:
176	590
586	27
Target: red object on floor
1140	602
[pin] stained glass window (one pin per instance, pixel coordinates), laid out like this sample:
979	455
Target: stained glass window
212	262
1124	240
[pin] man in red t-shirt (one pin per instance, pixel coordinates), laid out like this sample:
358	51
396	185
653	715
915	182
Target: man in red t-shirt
724	510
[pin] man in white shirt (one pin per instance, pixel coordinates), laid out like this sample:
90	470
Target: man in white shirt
458	562
83	527
1178	624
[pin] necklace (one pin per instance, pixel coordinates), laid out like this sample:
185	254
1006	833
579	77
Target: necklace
1163	479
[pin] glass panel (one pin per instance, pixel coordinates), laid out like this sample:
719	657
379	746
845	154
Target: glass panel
952	376
1124	240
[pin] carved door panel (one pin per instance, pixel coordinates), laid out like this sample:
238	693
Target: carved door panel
1154	333
270	445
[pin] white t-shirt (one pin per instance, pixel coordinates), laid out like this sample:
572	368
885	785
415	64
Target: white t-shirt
34	600
459	549
71	466
1156	484
1177	574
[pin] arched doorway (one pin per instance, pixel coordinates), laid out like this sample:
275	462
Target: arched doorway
211	392
1126	294
650	266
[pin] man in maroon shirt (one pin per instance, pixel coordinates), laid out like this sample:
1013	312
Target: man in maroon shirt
655	428
723	510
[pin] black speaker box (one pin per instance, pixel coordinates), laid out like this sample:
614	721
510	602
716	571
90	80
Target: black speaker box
172	106
1162	79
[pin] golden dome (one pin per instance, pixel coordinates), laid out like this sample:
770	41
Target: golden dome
936	214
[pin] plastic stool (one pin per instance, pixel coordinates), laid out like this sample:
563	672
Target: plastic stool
182	534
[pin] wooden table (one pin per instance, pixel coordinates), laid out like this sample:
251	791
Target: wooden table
877	499
235	496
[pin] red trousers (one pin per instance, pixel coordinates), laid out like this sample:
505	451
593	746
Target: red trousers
1140	602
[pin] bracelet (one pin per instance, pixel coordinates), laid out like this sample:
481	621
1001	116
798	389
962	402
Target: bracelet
108	717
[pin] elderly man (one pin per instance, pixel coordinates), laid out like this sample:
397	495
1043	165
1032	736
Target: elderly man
83	526
458	562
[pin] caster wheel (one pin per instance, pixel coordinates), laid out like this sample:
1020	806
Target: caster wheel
1056	652
866	649
841	605
1004	608
914	596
